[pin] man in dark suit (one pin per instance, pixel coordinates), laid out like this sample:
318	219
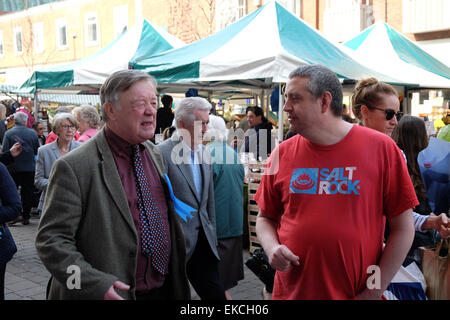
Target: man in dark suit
188	166
259	140
22	169
93	234
164	115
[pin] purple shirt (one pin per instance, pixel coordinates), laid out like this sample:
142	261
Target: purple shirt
146	276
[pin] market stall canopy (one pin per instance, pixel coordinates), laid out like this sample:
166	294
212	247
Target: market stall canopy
382	48
266	44
139	42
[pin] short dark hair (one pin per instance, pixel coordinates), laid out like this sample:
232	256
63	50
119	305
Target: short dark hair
35	124
167	100
322	79
258	111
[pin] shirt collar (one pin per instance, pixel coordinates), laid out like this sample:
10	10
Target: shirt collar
119	146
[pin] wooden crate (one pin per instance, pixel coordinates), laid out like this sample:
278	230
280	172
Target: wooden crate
255	172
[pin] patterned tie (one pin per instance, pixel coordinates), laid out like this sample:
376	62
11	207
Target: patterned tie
154	241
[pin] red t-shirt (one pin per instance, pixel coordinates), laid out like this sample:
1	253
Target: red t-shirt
331	202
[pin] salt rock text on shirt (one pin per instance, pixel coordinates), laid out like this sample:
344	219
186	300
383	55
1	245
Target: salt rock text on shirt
324	181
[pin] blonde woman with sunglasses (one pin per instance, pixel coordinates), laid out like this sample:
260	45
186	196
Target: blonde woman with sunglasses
377	106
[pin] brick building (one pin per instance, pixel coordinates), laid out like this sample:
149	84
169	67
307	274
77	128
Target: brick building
53	32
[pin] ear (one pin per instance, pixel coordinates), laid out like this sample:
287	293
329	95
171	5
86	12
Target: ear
364	112
180	124
326	101
110	110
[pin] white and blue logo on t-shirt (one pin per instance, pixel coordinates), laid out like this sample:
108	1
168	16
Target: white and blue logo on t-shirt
324	181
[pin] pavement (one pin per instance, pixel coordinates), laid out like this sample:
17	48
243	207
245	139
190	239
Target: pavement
26	277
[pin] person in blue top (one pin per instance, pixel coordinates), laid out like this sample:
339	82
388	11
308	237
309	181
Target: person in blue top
228	176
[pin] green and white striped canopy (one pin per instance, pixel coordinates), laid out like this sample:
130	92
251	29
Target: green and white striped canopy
139	42
382	48
266	44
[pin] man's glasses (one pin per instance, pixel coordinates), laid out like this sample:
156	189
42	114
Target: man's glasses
68	127
390	113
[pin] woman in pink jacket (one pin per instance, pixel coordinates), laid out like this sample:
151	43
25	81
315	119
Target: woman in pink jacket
88	120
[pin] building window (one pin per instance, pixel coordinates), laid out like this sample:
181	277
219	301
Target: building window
425	16
120	20
344	19
18	40
242	8
61	34
92	32
1	43
38	37
292	5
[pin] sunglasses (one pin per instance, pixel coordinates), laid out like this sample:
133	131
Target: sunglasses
390	113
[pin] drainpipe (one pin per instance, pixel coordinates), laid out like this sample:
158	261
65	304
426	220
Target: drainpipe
385	11
317	13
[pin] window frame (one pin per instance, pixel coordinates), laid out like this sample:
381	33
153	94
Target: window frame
38	35
15	31
241	9
119	25
87	16
1	44
59	23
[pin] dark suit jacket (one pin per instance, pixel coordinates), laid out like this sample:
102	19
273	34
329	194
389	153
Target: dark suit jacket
25	161
164	118
2	130
6	158
10	208
86	222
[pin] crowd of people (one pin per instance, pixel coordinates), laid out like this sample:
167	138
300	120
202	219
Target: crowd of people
26	158
145	221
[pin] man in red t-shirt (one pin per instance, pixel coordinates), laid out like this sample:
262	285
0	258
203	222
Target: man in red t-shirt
325	198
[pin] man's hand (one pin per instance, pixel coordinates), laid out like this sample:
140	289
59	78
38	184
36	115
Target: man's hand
282	259
16	149
111	294
439	223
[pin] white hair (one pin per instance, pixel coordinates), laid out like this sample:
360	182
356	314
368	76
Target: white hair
89	114
59	117
20	118
185	110
2	108
217	129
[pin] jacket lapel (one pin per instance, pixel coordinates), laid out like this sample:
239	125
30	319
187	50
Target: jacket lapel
186	170
185	167
112	179
55	150
159	165
72	145
205	172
